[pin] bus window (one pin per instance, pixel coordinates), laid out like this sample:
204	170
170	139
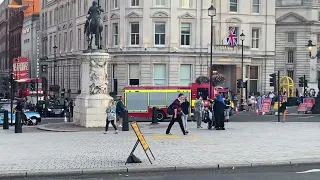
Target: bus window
203	92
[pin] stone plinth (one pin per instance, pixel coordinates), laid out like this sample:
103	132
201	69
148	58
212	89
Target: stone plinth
91	104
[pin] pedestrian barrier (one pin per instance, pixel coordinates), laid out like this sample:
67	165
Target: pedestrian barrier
154	116
18	124
6	120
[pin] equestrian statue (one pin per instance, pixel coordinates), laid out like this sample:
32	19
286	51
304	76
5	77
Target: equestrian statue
94	25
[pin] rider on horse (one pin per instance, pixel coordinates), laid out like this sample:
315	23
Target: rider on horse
94	12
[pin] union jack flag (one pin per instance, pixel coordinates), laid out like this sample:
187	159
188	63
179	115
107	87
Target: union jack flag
232	39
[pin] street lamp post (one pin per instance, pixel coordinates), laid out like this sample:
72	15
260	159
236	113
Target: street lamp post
54	64
310	46
211	13
242	38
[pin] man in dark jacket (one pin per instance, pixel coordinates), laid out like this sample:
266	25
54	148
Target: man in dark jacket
177	114
120	108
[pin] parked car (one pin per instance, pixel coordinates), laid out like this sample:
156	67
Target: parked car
30	117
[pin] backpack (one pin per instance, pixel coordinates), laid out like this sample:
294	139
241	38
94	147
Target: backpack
170	109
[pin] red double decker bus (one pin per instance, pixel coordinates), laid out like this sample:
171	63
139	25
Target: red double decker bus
30	88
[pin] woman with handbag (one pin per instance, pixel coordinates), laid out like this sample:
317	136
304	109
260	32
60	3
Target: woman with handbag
111	116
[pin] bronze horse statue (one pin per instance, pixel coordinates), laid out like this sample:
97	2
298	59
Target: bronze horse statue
94	26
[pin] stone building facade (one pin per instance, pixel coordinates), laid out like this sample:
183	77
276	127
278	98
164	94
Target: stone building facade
161	42
297	22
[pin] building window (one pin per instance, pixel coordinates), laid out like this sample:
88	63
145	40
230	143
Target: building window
159	74
290	73
60	43
66	41
71	41
256	6
318	38
160	2
79	38
106	35
185	4
114	80
255	38
50	18
115	4
115	32
160	34
291	37
254	74
79	7
134	2
134	74
290	56
50	45
134	35
185	74
185	34
85	7
233	5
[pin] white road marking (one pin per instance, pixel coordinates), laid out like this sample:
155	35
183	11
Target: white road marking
306	117
309	171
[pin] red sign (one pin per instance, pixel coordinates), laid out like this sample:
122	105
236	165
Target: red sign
20	68
266	104
302	107
309	101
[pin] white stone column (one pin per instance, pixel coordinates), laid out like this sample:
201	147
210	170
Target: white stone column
91	104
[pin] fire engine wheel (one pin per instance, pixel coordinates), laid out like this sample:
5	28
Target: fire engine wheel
160	115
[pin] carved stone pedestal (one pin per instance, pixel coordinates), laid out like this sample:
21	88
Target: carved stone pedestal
91	104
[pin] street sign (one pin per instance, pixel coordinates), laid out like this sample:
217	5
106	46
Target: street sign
266	105
132	158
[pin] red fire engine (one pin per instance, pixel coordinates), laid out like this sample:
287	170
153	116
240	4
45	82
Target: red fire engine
139	100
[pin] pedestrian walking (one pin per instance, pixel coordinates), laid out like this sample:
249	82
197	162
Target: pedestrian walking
185	106
177	114
218	109
198	109
111	116
120	108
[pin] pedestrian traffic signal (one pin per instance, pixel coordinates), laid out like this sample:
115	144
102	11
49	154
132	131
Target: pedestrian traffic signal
239	83
44	84
33	85
245	84
273	79
301	81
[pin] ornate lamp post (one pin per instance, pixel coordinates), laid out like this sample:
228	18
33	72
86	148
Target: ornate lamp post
310	46
211	12
242	38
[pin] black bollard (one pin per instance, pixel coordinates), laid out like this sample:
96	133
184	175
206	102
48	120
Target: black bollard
125	122
18	125
6	120
154	116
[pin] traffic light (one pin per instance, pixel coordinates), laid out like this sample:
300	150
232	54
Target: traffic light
305	83
63	92
44	84
33	85
301	81
239	83
273	79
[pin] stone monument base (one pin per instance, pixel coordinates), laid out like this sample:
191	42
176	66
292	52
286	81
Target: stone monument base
90	110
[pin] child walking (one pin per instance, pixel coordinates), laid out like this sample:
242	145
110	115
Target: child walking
111	116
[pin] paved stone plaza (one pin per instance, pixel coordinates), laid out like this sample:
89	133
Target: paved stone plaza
242	144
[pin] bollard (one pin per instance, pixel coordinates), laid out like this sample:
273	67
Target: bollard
125	121
154	116
6	120
18	124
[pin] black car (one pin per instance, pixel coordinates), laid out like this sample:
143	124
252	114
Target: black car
54	108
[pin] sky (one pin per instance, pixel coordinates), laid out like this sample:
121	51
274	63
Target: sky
1	1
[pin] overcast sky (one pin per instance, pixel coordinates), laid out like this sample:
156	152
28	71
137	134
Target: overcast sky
1	1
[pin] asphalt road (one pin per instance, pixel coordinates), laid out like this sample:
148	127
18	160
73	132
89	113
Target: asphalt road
293	172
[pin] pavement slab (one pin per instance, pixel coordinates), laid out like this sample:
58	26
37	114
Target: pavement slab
242	144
